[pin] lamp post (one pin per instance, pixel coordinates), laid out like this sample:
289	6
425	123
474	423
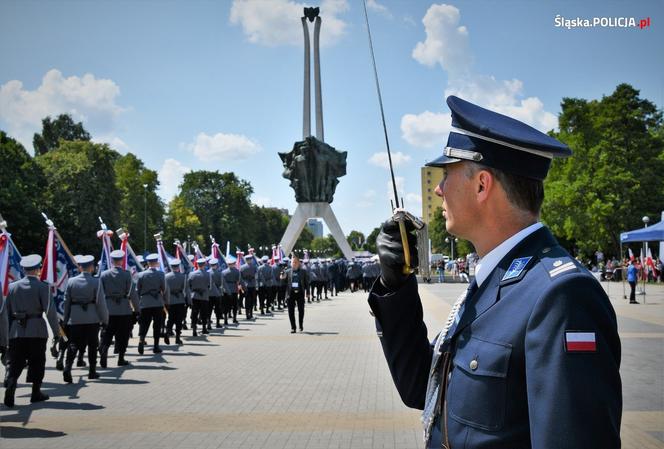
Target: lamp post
645	220
145	217
451	242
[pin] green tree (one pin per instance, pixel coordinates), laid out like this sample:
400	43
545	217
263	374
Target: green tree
441	239
614	176
267	226
137	187
356	240
304	240
23	185
221	202
63	127
371	240
81	187
181	222
325	247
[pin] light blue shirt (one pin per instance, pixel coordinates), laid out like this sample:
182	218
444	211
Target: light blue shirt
487	263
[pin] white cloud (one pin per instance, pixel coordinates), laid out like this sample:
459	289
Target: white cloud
223	147
87	98
170	176
368	199
378	7
446	45
380	159
427	129
114	142
277	22
261	201
413	200
446	42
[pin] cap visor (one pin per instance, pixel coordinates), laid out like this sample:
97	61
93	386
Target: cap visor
442	161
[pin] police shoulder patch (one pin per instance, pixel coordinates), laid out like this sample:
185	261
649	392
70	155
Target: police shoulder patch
516	269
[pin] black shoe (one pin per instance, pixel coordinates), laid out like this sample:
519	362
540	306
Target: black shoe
59	365
292	331
9	392
178	341
38	396
123	362
184	327
634	302
66	376
103	356
167	339
93	375
205	331
218	325
301	330
262	313
141	347
235	321
157	350
81	364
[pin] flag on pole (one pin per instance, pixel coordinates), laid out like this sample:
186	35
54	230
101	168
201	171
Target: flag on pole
631	254
181	253
239	254
164	257
197	254
105	235
57	268
216	253
10	262
130	261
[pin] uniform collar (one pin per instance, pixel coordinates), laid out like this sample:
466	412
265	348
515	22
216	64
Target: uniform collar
487	263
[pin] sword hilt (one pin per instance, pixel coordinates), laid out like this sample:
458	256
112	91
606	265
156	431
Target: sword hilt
402	216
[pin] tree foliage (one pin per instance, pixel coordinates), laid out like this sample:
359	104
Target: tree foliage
614	176
81	187
23	185
137	187
221	202
356	240
371	240
438	235
62	128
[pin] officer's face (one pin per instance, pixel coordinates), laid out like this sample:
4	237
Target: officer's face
458	202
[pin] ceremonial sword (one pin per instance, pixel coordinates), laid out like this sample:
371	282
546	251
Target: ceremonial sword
399	213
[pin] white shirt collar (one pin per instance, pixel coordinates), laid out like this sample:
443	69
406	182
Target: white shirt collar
487	263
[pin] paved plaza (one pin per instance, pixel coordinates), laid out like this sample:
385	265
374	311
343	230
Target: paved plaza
258	386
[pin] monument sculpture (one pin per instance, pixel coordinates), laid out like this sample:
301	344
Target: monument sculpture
312	166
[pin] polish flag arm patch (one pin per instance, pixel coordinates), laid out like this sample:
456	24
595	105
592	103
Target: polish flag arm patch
576	341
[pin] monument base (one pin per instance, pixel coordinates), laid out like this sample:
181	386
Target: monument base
303	212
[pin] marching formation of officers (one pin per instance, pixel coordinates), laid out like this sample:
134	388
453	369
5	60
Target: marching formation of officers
100	312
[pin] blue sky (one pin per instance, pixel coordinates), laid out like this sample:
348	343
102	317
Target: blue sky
218	84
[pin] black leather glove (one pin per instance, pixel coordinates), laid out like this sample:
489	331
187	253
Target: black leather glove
391	254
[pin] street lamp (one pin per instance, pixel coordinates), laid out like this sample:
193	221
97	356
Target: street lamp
645	220
451	242
145	217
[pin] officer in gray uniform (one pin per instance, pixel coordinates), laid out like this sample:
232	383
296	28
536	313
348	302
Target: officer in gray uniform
85	309
177	297
265	281
151	286
216	291
231	278
199	286
26	301
248	283
4	330
274	291
122	303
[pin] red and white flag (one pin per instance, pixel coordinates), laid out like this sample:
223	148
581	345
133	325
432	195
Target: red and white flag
580	342
631	254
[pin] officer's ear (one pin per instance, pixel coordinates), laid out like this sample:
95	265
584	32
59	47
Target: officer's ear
484	184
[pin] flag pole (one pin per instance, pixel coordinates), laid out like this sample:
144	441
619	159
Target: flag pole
51	225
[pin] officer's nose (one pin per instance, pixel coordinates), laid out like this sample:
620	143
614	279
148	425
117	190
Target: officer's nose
439	189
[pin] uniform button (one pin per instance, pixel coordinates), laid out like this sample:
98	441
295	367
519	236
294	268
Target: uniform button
473	364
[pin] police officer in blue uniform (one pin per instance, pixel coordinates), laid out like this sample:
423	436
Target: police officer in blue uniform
151	286
530	354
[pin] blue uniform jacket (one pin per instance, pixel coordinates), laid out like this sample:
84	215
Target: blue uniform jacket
515	381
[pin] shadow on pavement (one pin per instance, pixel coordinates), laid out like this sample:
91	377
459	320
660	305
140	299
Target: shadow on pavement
21	432
320	333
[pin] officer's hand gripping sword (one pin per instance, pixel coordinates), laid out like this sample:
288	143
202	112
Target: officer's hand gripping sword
399	214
